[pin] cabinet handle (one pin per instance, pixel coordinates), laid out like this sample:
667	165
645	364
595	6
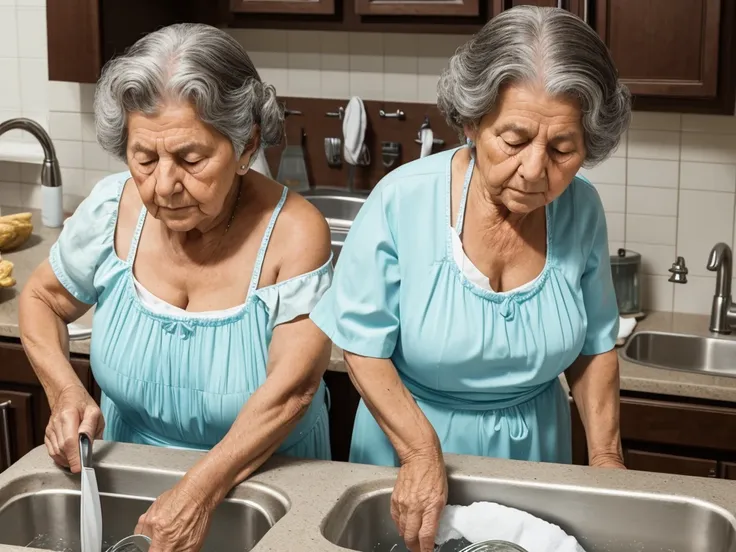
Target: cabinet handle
5	421
585	10
559	4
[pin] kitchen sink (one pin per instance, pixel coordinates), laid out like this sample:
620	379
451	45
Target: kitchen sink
339	208
710	355
601	520
48	519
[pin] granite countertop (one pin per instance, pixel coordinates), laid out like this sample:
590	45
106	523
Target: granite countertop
314	489
634	377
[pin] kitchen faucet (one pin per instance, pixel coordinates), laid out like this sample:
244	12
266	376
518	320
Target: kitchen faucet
50	172
723	311
52	213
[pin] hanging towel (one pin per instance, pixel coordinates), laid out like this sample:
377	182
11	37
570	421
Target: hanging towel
426	136
354	124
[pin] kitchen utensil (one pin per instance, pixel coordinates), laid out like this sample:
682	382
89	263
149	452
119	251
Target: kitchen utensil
293	167
91	511
626	269
133	543
390	153
333	151
494	546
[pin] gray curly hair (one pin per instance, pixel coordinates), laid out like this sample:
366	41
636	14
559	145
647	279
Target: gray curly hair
551	46
196	63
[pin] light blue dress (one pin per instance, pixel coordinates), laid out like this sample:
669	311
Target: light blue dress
483	366
178	381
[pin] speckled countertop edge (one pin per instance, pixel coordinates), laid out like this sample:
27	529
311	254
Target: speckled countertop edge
634	377
313	488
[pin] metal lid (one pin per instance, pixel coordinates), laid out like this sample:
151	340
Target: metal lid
625	257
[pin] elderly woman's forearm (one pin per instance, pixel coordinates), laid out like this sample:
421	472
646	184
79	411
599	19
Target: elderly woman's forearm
262	425
393	407
594	383
45	339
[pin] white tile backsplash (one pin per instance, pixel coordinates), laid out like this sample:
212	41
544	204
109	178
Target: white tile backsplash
34	85
613	197
696	296
643	120
705	218
8	32
10	84
654	144
641	200
656	293
32	32
65	126
708	148
611	171
616	225
652	173
65	96
655	259
655	230
708	176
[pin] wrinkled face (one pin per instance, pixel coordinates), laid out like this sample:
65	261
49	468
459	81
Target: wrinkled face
529	148
185	170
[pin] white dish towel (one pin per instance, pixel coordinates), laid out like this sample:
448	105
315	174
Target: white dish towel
483	521
354	125
625	327
426	137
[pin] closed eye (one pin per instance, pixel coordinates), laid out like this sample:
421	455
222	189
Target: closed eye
147	163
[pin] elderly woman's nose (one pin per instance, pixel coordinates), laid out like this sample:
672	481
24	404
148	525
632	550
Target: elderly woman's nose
533	163
168	182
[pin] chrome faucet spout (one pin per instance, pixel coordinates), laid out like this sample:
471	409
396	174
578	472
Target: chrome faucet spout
723	312
50	173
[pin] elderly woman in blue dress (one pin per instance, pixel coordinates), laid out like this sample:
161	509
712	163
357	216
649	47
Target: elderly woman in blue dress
203	274
472	279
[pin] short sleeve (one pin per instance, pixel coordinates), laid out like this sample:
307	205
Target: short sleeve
87	239
296	296
360	312
599	295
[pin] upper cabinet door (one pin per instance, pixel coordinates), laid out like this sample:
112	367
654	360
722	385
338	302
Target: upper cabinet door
319	7
575	6
463	8
663	47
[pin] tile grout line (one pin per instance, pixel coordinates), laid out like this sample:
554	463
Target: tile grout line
677	223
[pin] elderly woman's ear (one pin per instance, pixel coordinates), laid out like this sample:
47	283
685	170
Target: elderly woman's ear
248	157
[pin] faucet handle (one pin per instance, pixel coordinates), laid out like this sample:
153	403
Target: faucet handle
679	271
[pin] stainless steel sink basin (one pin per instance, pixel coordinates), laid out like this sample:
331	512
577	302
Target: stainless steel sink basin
601	520
712	355
339	209
49	519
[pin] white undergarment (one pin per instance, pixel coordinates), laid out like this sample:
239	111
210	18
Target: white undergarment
159	306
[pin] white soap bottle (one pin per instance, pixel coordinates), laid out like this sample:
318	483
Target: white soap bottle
52	205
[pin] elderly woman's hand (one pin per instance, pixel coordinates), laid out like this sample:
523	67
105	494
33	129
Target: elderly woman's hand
179	519
418	499
73	412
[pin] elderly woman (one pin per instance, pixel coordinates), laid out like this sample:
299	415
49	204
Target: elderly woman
472	279
203	274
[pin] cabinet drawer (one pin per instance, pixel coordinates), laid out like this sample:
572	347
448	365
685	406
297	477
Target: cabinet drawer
676	423
668	463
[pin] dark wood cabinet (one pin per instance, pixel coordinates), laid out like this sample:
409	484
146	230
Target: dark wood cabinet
280	6
84	34
663	47
672	54
670	435
578	7
421	7
669	463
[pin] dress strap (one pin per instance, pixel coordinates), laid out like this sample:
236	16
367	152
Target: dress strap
137	236
264	243
464	198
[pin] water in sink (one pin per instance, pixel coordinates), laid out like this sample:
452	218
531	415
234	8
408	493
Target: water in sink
49	520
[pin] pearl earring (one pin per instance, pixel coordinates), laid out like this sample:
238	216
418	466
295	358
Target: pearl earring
242	167
470	142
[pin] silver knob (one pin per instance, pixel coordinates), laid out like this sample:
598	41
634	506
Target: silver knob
679	271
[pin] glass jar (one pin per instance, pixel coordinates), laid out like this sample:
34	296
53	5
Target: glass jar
625	270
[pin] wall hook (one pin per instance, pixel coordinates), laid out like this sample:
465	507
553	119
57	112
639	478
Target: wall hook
398	114
425	125
339	114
